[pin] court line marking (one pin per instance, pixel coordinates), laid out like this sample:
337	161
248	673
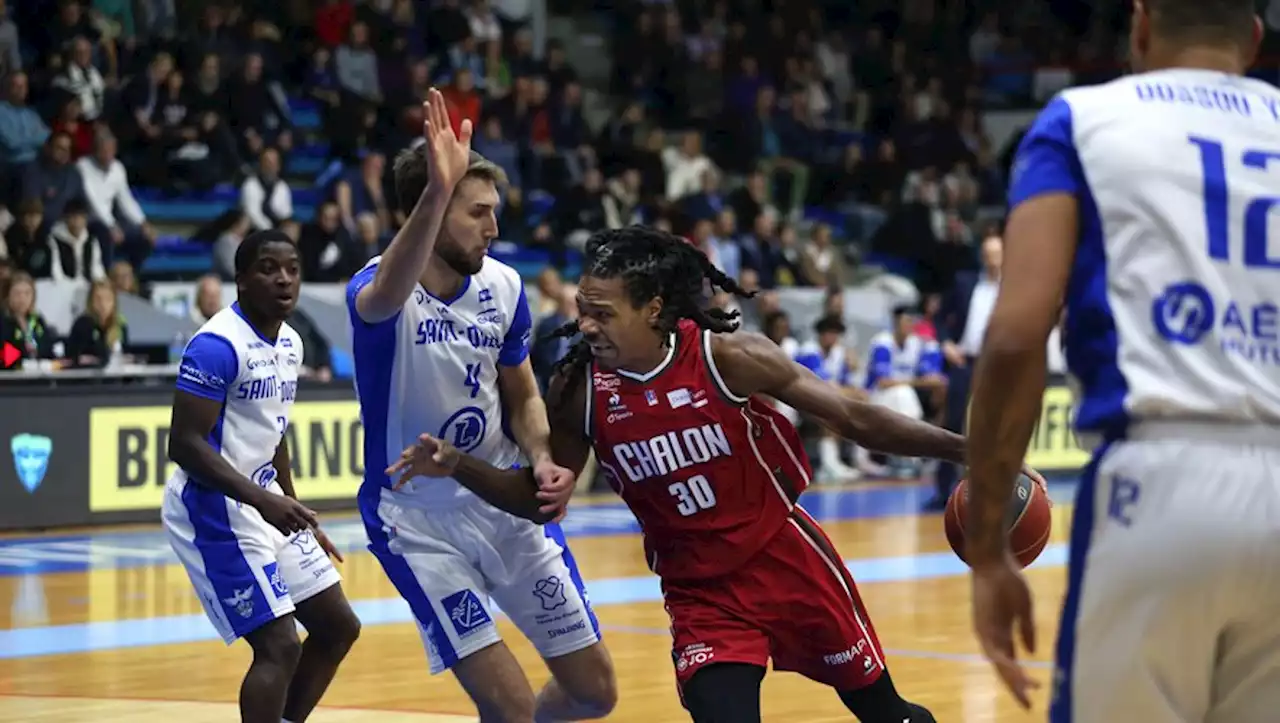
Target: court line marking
144	632
422	716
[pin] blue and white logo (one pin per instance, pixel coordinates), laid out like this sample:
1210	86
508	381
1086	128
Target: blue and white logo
31	454
465	429
1184	313
466	612
263	476
272	572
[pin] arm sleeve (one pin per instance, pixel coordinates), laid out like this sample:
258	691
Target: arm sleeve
930	361
1047	161
515	346
209	367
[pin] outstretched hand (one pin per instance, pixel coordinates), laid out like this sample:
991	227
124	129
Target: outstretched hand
449	153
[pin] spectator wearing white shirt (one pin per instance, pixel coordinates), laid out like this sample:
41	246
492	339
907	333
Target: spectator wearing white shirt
685	167
82	79
116	217
265	198
77	255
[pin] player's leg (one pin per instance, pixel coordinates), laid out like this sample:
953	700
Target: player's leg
229	554
1170	552
724	693
332	626
825	633
537	583
447	596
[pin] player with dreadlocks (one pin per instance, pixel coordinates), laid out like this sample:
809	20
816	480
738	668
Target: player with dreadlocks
668	399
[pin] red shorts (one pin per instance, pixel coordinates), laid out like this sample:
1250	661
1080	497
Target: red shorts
795	602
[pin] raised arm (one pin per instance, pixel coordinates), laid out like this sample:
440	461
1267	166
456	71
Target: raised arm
514	490
751	364
406	257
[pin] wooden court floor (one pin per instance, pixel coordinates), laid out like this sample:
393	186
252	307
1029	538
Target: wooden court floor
96	644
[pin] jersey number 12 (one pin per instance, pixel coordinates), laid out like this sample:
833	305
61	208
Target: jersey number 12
1217	201
693	496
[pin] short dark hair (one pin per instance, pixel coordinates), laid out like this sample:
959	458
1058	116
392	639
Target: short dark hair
75	206
249	250
412	172
1207	20
831	323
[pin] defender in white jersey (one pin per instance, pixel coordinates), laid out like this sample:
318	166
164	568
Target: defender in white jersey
1150	206
253	552
441	337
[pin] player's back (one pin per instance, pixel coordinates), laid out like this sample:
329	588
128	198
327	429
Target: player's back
710	476
1171	307
430	369
254	378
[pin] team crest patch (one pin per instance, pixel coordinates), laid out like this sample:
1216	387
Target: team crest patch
550	591
466	612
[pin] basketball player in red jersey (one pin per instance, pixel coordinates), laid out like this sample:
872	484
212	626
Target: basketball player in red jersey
712	473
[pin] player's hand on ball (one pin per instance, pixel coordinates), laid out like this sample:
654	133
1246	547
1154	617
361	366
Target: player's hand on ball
555	486
327	545
449	153
285	513
1039	480
428	457
1001	603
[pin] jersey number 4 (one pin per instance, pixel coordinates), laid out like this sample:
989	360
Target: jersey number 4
472	381
1217	203
693	495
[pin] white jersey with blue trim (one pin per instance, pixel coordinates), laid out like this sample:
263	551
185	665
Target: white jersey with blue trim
255	379
432	369
831	365
1172	302
917	357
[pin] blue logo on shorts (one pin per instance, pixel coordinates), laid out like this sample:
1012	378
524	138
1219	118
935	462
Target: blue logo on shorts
466	612
271	571
465	429
31	453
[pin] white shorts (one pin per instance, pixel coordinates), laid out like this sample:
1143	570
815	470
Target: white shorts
245	572
1172	612
447	564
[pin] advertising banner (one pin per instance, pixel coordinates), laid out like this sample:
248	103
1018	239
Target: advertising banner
84	456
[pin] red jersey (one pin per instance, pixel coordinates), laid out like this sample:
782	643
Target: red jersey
710	476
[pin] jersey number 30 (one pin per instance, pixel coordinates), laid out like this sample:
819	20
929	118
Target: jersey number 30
1217	201
693	496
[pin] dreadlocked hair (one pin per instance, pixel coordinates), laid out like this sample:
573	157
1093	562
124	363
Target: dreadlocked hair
651	263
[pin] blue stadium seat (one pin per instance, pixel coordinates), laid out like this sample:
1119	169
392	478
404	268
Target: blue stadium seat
305	114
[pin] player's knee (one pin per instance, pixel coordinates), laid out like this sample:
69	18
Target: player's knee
341	631
276	644
507	707
590	682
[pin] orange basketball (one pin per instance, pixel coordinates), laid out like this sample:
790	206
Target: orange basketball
1028	519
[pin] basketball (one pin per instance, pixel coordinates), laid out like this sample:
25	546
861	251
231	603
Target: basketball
1028	519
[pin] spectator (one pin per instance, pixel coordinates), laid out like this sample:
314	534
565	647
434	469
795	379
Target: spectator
903	373
582	210
123	278
326	248
10	45
141	97
824	263
493	145
22	132
69	120
53	179
704	89
117	217
361	191
466	55
827	357
22	325
752	200
208	299
264	197
446	24
708	201
224	248
255	112
724	255
368	243
26	242
547	350
75	254
80	78
100	335
483	23
69	25
465	102
332	20
686	167
356	66
549	285
622	200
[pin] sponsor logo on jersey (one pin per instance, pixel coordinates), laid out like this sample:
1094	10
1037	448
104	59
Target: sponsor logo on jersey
557	632
671	451
606	382
241	601
845	657
466	612
271	571
1186	314
679	398
651	397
